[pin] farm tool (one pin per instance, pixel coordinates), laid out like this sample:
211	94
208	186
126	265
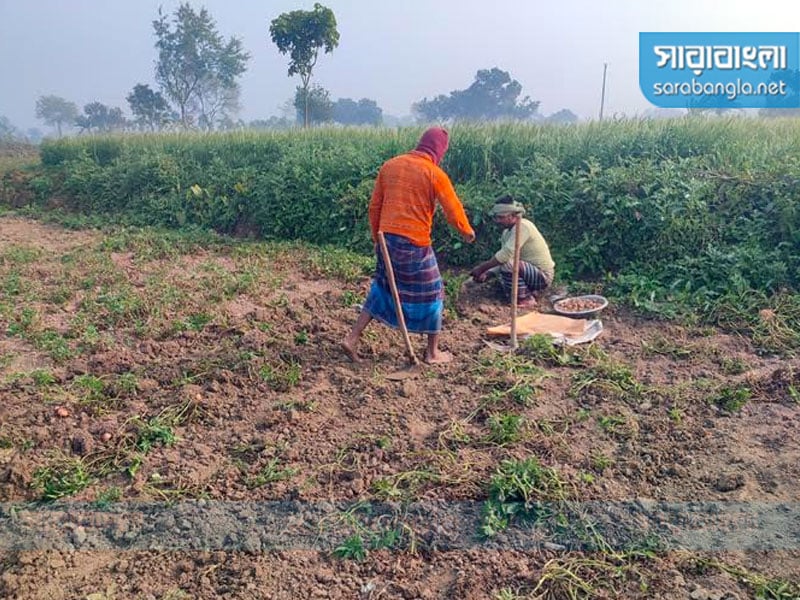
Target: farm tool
414	368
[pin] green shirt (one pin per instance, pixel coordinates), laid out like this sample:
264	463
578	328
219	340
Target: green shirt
532	247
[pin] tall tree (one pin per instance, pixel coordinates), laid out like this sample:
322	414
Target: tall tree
100	117
302	34
313	106
363	112
54	110
271	123
149	109
193	58
789	104
492	96
565	115
7	130
217	103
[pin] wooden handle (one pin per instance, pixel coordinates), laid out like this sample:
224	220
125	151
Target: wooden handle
515	286
387	261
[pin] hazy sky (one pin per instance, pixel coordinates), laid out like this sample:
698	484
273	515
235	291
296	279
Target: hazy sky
395	52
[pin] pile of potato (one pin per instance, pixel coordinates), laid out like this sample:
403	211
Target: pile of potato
578	304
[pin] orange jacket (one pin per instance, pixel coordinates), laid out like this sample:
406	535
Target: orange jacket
405	195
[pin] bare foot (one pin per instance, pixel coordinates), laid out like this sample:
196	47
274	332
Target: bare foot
439	358
350	349
527	303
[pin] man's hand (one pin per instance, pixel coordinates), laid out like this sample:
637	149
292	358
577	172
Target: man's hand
478	275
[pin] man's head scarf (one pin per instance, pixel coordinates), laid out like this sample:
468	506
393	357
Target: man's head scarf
515	208
434	143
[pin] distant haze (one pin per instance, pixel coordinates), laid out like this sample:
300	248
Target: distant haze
395	53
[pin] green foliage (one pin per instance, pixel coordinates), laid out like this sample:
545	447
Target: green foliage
54	110
194	322
541	349
520	489
101	118
505	428
42	377
493	95
54	344
281	374
511	376
91	388
269	473
157	431
677	219
63	477
107	497
731	399
352	548
150	110
126	384
195	66
607	378
364	112
762	588
329	261
316	101
613	424
366	536
8	132
302	34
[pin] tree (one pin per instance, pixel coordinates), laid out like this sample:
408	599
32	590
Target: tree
54	110
7	131
271	123
492	96
363	112
217	103
788	105
565	115
34	134
302	34
149	109
313	106
193	58
706	106
97	115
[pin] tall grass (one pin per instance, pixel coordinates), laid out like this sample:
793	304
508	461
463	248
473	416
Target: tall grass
695	203
16	155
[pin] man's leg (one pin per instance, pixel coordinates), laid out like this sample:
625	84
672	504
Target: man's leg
531	280
535	279
524	295
351	340
433	355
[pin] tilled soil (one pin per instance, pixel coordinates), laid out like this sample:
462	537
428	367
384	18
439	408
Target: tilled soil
227	448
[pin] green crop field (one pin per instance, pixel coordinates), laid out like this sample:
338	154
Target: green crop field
682	217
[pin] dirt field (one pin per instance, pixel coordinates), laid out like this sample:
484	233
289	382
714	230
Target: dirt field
187	408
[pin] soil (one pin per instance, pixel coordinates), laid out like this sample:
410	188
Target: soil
285	451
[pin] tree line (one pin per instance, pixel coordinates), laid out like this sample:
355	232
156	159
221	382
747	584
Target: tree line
197	72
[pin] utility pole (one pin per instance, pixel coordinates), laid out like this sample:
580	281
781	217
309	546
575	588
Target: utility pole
603	93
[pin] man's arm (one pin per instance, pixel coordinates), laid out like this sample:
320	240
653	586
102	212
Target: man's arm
375	206
451	205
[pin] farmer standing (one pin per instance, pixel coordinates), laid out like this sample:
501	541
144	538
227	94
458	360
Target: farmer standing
536	266
402	206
